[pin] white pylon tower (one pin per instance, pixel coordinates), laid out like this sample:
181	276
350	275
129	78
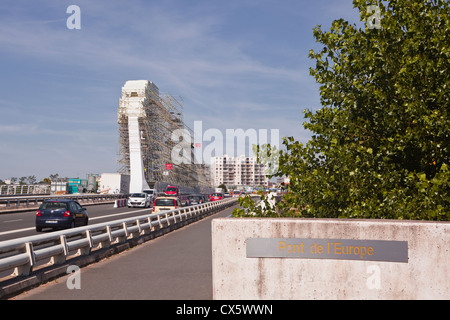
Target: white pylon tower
134	107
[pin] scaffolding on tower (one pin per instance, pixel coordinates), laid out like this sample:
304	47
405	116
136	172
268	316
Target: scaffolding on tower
157	116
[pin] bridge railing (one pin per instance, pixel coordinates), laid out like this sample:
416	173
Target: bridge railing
24	189
31	202
22	255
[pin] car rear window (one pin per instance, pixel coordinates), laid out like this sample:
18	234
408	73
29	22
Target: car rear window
165	202
54	205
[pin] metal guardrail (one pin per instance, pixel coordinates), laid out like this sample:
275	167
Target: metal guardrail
22	255
24	189
33	202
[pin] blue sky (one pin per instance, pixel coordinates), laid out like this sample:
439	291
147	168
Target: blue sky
236	64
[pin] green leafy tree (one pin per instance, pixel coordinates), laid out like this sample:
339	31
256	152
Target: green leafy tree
380	144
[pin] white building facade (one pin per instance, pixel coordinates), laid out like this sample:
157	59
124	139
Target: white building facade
238	172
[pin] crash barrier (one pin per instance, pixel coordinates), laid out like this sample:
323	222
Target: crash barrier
17	203
295	259
120	203
22	255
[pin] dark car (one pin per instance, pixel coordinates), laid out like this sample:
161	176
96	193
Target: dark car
59	214
195	199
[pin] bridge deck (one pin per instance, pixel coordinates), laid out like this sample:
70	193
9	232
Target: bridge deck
176	266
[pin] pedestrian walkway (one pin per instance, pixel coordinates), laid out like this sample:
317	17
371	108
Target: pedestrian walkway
174	266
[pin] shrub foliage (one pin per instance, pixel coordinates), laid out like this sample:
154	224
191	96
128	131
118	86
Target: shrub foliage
380	143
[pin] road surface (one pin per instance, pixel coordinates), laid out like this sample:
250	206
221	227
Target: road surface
22	224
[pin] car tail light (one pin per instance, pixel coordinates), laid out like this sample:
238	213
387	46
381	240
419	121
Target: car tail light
67	213
38	213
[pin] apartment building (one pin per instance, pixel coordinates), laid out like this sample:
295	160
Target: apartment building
238	171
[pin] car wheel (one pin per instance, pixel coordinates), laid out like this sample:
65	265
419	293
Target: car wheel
38	229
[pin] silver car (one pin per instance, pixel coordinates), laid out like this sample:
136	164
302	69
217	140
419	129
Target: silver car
139	200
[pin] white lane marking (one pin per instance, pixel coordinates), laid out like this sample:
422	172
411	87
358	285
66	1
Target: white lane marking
17	230
8	221
119	214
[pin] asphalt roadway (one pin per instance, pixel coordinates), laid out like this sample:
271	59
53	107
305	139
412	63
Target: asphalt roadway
176	266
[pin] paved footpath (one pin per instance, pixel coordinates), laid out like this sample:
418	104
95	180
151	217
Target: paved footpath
171	267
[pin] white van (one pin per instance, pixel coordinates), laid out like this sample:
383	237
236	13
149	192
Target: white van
153	193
